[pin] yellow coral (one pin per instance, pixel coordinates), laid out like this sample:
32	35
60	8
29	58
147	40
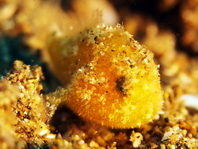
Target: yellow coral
111	79
29	111
8	96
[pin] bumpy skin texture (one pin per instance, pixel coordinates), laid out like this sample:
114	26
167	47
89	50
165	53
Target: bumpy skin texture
110	78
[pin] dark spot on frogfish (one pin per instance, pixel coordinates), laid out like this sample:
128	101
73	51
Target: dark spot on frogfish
120	84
